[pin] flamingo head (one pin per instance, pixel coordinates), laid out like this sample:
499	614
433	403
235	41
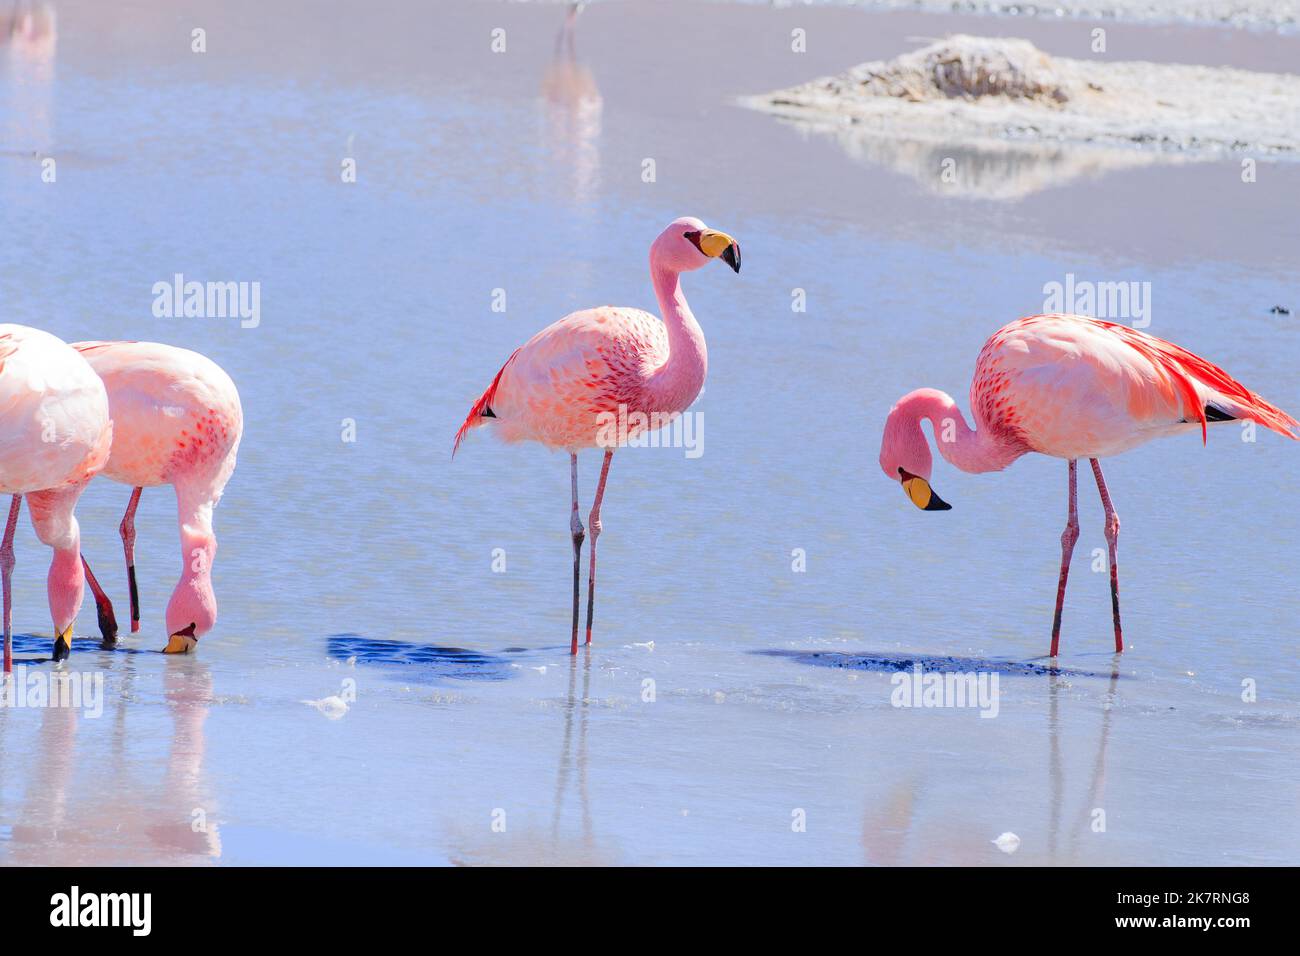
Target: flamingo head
192	610
905	454
689	244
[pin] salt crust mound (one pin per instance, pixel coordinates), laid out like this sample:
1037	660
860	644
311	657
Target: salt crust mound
999	88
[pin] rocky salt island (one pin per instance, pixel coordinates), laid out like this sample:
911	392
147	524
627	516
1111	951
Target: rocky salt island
1001	89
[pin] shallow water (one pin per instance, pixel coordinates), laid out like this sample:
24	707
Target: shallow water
373	561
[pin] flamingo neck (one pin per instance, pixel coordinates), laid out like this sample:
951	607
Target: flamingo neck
56	526
674	385
193	600
961	446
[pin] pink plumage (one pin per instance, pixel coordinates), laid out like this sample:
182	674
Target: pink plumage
55	435
178	421
1075	387
1071	387
566	385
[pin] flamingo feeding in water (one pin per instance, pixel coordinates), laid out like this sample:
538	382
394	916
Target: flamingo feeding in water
55	435
1070	387
177	421
620	363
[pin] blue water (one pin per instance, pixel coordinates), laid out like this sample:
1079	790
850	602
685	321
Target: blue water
367	567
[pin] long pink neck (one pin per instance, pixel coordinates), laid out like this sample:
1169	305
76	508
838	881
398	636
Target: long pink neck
56	526
193	600
674	385
959	444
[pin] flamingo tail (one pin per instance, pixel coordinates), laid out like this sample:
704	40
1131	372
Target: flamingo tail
1226	396
482	410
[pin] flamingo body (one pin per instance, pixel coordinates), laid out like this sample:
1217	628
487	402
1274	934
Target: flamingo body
54	421
1071	387
176	413
178	422
556	387
1074	387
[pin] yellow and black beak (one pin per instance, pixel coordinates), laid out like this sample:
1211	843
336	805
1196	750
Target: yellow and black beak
717	245
182	642
62	644
920	492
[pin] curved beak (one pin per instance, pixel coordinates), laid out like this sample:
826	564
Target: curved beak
182	642
920	493
717	245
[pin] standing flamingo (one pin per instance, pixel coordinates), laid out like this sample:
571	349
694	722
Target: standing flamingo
607	363
177	422
55	435
1070	387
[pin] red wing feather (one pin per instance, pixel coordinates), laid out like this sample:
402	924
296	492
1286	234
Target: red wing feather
1184	368
475	416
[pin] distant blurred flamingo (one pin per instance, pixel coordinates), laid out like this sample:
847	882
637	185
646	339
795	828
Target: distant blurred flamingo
29	27
607	364
54	436
572	109
1070	387
178	422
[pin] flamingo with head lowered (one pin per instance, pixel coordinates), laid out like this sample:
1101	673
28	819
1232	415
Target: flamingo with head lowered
560	385
1070	387
55	435
177	421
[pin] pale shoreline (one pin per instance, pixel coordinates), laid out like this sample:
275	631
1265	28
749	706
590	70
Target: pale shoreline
1280	16
1005	90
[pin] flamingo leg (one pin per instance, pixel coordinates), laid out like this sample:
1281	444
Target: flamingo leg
103	606
7	569
594	524
575	527
1112	539
127	528
1068	537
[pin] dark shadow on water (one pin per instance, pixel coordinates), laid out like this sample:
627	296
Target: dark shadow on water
39	648
426	662
890	663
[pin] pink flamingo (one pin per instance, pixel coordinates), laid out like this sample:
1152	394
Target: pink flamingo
177	422
568	384
55	435
1070	387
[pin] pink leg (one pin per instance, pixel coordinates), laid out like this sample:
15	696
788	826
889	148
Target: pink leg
575	527
127	528
103	606
1068	537
1112	539
594	524
7	568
